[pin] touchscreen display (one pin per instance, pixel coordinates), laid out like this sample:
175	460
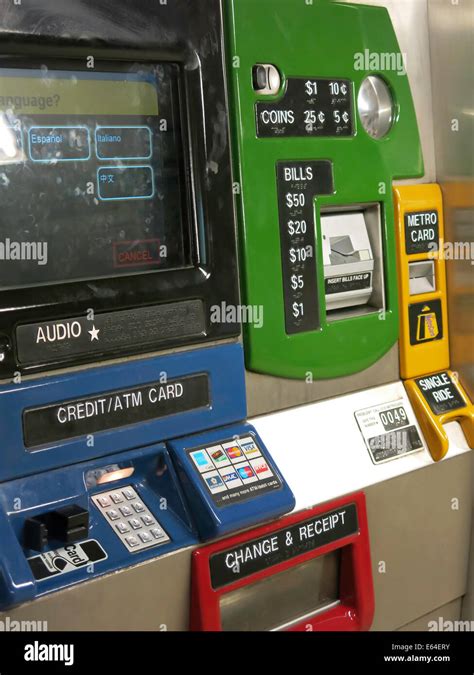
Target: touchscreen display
91	174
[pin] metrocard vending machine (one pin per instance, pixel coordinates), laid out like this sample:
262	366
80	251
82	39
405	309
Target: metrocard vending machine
122	402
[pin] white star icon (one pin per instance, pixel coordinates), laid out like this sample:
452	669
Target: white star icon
94	333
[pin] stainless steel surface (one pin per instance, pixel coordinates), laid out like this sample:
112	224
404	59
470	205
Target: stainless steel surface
266	393
419	535
153	596
295	594
452	57
468	600
449	612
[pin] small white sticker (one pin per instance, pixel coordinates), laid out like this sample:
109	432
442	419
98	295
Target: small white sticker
388	431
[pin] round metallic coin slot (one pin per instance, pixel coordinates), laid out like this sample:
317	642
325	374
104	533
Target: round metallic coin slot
376	106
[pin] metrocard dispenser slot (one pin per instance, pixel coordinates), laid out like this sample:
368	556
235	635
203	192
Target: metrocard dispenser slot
308	571
230	480
440	398
422	277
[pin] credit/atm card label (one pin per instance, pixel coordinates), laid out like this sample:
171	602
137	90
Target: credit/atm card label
441	393
67	559
298	184
256	555
310	106
114	409
389	431
421	232
234	471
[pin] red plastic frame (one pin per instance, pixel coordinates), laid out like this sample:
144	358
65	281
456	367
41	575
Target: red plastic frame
356	608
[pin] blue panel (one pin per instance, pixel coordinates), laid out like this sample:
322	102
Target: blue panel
223	364
254	501
155	481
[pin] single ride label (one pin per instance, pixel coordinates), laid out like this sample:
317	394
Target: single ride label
441	393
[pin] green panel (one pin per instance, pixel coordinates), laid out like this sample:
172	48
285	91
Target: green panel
313	40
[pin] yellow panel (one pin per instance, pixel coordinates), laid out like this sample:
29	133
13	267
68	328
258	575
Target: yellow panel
432	424
430	351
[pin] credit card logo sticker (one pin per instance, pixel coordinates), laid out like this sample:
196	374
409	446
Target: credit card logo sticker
246	473
250	448
214	482
202	461
218	456
230	477
261	468
237	470
234	452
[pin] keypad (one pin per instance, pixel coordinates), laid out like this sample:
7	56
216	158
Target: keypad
131	521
